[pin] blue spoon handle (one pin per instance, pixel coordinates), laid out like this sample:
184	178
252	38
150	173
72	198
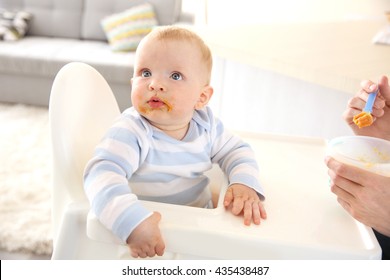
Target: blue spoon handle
370	102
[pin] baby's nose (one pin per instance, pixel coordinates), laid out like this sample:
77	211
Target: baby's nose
154	86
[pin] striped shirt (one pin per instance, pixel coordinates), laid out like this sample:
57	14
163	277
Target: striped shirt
135	161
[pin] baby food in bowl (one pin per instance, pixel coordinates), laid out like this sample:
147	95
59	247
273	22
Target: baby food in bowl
369	153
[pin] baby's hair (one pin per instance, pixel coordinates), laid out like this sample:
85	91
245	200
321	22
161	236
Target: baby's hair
179	33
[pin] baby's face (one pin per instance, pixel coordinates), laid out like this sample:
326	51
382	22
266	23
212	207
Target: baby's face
169	82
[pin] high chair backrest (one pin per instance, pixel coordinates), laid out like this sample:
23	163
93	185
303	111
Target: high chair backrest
82	107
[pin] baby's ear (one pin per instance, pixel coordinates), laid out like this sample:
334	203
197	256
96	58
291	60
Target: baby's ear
204	97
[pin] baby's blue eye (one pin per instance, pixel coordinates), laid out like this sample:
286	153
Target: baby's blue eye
176	76
146	73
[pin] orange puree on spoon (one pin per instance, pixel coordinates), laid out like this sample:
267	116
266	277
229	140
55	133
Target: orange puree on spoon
363	119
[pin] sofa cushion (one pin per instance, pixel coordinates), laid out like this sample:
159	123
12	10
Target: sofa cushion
125	30
167	12
56	18
13	25
43	57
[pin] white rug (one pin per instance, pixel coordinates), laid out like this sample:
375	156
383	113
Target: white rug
25	204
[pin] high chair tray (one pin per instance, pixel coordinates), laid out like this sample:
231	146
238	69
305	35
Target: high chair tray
304	221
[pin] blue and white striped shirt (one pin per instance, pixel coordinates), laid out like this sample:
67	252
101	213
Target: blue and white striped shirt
138	161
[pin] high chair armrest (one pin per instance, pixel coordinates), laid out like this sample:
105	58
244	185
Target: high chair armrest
96	231
172	215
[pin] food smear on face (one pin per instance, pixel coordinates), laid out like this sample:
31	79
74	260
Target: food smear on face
363	119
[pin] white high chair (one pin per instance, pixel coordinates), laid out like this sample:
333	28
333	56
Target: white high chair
305	221
82	107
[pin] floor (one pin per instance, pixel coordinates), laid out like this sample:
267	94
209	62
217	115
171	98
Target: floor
5	255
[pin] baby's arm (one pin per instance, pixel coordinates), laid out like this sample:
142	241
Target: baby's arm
146	240
106	184
242	199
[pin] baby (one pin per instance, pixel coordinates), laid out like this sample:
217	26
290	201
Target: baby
159	149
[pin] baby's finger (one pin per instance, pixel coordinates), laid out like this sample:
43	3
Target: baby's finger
256	213
248	212
134	252
151	253
238	205
138	254
160	248
228	197
263	213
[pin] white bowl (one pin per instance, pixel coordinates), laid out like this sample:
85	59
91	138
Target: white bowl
369	153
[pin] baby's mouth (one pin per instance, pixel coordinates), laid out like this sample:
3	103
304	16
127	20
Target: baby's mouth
155	102
158	103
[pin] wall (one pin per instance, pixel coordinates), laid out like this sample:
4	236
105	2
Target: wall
251	99
258	100
228	12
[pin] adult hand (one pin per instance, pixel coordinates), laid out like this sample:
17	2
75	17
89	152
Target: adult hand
364	195
381	111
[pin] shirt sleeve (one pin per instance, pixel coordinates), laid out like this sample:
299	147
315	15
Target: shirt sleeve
106	176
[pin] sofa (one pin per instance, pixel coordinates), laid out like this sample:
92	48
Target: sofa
59	32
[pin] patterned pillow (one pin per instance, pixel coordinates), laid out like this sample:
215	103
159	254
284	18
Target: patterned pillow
14	25
125	30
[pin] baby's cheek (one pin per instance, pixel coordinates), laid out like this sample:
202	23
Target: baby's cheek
136	98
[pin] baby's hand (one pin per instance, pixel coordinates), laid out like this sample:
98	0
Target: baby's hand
243	199
146	240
